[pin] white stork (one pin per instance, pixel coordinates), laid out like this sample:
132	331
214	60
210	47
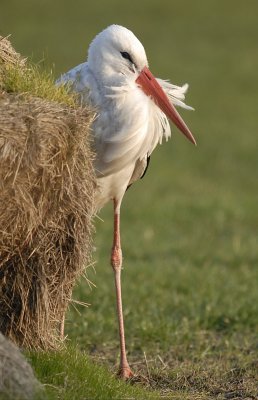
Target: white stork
133	108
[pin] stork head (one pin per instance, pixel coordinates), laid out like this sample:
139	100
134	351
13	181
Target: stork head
116	56
116	53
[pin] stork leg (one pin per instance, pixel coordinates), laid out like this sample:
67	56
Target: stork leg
116	262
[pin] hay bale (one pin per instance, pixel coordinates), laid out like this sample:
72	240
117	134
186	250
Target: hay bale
17	380
46	199
8	55
46	194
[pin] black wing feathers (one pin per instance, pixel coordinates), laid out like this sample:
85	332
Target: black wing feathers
135	178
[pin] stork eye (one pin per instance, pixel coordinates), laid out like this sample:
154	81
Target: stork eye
126	55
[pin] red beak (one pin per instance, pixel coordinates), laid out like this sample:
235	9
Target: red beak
152	88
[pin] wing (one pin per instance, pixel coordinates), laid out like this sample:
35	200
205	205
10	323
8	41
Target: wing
72	75
140	170
146	166
81	80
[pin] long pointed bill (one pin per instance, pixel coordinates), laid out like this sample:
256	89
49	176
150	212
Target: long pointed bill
152	88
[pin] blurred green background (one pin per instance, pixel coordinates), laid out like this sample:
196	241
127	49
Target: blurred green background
212	45
189	228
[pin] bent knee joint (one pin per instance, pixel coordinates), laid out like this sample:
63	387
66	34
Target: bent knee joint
116	257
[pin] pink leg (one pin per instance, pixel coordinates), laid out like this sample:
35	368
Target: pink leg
116	262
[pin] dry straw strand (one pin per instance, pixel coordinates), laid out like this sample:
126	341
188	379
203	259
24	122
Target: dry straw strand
8	55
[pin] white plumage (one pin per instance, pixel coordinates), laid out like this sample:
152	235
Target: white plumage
132	109
129	124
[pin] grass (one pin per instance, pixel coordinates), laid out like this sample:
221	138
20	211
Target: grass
189	228
33	80
72	375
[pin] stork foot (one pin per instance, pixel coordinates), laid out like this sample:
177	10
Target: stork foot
125	373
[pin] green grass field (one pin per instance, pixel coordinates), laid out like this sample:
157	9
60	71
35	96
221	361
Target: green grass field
189	228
